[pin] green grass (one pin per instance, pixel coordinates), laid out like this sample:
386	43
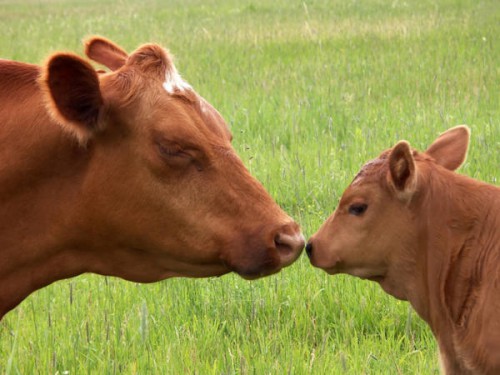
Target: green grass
312	90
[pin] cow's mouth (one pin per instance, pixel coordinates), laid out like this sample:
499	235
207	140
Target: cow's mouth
254	273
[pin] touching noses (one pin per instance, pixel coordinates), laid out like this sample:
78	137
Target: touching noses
289	242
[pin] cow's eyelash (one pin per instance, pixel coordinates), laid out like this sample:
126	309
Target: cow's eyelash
172	150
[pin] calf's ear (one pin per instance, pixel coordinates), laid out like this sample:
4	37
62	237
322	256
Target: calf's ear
402	171
73	96
105	52
450	148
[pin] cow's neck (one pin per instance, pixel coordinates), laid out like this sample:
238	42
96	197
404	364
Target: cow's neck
36	237
19	281
38	189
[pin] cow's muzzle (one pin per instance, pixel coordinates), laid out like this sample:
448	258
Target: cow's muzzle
289	242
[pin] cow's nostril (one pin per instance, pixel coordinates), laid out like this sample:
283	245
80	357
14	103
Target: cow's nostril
289	245
309	249
289	242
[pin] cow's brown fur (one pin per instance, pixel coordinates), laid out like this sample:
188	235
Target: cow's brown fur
112	173
429	236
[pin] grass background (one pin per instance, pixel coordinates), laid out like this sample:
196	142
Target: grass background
312	90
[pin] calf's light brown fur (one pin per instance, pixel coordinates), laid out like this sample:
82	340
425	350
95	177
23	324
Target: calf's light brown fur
427	235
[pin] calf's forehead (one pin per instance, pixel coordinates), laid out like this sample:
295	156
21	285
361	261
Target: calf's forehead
372	170
363	191
369	180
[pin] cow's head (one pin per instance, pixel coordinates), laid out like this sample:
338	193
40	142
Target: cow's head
374	223
163	192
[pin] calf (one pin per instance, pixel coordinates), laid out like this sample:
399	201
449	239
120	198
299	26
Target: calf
427	235
128	173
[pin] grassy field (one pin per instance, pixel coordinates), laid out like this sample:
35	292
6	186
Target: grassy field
312	90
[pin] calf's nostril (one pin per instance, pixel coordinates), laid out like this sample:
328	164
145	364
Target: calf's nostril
309	249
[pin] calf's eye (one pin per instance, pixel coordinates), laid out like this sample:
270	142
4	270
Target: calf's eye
357	209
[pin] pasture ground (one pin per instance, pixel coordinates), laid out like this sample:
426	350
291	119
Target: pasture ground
312	90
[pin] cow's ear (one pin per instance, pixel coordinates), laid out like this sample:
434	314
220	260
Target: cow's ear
105	52
450	148
402	170
152	60
73	96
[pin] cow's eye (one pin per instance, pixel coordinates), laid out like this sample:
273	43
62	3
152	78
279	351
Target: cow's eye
357	209
175	156
180	157
172	151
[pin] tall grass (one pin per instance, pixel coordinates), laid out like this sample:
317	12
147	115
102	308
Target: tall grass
311	89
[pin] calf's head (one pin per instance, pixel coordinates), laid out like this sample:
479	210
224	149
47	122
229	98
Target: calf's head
163	192
375	223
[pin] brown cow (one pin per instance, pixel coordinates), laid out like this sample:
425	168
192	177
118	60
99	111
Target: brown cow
128	173
427	235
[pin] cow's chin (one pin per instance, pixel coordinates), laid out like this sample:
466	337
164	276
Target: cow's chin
204	269
257	275
195	274
255	271
247	275
171	274
160	272
246	272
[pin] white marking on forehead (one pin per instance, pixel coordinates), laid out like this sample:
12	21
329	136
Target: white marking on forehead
203	106
174	82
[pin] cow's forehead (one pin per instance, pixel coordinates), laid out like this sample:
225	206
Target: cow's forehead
175	85
213	119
